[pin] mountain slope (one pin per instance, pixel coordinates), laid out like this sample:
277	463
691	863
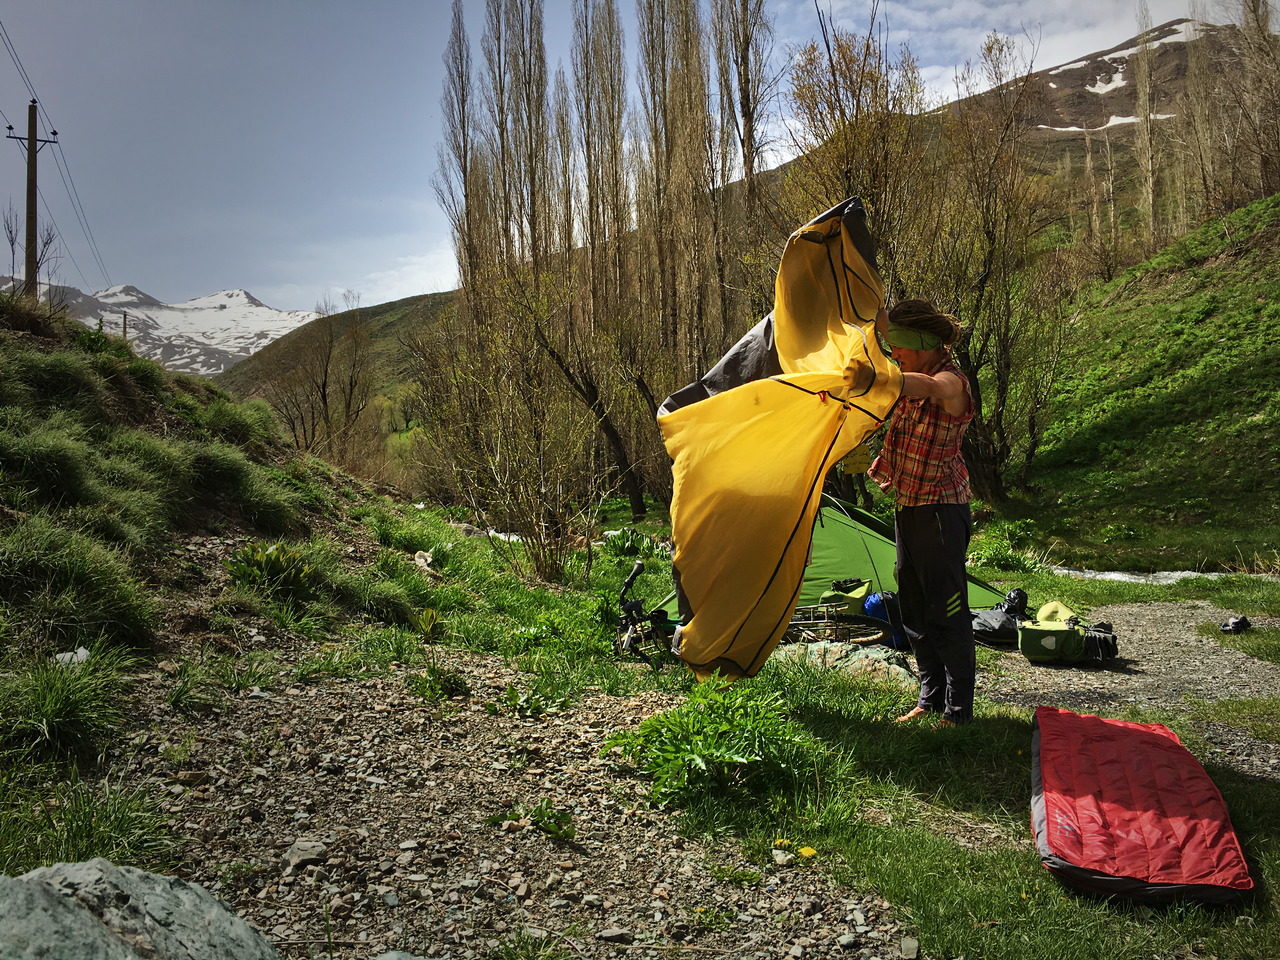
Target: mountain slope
387	324
202	336
1165	444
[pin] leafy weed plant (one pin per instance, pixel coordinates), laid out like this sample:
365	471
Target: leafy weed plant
543	816
435	684
719	740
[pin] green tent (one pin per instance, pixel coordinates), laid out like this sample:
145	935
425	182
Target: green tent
851	543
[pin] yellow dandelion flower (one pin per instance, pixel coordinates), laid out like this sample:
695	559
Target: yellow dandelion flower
806	852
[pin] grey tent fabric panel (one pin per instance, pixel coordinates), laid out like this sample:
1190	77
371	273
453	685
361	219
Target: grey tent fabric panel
753	357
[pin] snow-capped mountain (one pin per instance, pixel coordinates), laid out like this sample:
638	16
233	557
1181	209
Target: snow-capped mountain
205	335
1099	92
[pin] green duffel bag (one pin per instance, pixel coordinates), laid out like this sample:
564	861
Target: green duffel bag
1052	641
1066	641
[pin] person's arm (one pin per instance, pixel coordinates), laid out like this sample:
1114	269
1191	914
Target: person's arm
945	388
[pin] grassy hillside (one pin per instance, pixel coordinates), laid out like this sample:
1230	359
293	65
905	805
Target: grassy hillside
1165	445
387	323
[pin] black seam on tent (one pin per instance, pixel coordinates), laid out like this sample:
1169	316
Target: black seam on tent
846	269
835	281
858	276
794	530
847	404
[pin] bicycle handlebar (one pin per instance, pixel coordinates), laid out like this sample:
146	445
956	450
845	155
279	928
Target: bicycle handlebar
631	578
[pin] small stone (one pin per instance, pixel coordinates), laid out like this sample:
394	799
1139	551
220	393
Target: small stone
796	952
847	942
304	853
409	845
390	899
909	948
615	935
783	857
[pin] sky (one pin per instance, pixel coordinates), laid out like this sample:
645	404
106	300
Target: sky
288	147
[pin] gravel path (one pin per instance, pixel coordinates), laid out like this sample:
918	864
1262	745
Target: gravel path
1163	663
349	818
356	807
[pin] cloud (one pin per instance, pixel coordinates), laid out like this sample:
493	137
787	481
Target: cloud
429	272
944	34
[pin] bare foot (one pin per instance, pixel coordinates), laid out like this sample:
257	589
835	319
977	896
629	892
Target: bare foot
911	714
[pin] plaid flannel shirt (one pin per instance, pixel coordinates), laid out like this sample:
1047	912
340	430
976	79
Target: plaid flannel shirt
921	458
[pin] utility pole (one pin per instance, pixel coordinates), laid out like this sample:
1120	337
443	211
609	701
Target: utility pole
33	145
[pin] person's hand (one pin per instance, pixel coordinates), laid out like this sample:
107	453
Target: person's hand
858	460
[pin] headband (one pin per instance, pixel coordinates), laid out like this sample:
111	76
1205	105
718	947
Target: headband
910	339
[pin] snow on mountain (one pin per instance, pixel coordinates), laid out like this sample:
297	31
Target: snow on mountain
1099	91
203	336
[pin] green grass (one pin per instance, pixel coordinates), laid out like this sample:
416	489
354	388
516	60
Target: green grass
1253	596
1260	642
66	590
1162	453
1260	717
56	710
43	823
935	821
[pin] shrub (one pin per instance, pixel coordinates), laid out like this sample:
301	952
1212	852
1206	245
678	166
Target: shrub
718	740
56	709
279	570
245	424
69	591
75	821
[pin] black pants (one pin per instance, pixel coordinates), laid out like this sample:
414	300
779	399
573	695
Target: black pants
934	595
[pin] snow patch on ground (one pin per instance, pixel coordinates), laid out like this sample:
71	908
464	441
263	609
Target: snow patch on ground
1115	82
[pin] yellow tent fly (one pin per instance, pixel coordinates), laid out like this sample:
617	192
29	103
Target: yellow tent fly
752	441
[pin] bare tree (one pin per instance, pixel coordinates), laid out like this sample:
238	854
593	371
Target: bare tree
11	227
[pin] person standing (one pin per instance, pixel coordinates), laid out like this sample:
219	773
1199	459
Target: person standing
921	462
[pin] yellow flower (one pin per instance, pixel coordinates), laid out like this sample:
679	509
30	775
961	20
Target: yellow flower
782	842
806	852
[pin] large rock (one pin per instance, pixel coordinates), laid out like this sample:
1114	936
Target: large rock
868	660
99	911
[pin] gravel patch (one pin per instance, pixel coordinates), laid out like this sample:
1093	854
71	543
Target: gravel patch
1163	663
354	814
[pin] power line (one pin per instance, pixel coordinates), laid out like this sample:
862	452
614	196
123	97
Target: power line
60	161
64	172
71	256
